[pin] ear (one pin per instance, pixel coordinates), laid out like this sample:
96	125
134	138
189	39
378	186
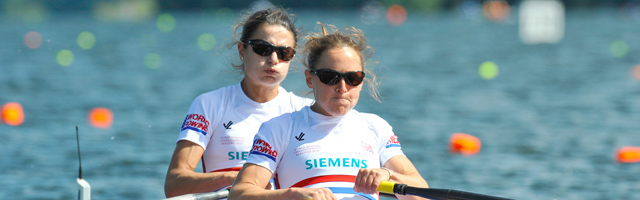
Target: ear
241	50
307	77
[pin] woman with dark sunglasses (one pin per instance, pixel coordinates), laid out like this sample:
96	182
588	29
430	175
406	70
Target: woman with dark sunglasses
328	150
220	125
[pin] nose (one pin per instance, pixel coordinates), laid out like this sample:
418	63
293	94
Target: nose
342	86
273	58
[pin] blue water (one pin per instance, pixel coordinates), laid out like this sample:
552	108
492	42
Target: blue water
549	123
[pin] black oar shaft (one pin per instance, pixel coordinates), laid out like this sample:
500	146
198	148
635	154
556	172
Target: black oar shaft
431	193
448	194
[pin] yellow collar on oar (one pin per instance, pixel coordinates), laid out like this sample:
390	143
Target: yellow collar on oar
386	187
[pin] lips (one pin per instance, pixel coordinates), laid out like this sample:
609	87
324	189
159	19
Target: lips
271	71
341	99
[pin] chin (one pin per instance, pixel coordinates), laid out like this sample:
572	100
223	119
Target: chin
272	81
341	111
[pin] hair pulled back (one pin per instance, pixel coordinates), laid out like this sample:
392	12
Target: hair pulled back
318	43
251	22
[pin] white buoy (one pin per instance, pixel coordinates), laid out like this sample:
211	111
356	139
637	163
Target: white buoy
541	21
84	192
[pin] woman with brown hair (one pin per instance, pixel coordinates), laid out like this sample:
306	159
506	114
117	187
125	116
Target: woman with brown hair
327	150
220	125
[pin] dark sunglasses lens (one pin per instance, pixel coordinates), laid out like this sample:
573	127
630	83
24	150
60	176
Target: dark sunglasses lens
354	78
329	77
286	54
262	49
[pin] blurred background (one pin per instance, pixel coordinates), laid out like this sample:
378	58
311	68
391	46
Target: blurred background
549	90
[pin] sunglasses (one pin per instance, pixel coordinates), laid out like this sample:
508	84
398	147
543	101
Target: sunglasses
332	77
265	48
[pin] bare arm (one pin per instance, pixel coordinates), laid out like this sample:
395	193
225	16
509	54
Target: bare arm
181	179
402	171
253	178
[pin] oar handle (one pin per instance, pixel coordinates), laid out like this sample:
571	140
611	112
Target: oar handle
445	194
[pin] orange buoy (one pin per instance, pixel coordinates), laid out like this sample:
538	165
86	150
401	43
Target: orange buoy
101	118
396	15
635	71
628	155
33	40
464	144
12	114
496	10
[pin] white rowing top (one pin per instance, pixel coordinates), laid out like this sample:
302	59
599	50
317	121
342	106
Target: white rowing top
307	149
224	122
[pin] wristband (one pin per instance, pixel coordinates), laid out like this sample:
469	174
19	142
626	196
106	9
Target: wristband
388	170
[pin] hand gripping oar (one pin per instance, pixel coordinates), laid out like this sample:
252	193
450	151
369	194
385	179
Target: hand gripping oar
389	187
202	196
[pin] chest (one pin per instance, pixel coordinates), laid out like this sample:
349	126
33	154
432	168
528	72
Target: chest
346	150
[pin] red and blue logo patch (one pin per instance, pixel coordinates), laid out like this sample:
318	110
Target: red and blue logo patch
392	142
261	147
196	123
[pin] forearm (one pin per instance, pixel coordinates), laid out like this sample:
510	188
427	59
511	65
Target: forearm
411	179
404	172
242	191
180	182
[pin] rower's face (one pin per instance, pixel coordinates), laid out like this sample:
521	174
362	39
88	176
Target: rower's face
266	70
338	99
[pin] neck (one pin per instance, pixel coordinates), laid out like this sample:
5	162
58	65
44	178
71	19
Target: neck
316	108
259	93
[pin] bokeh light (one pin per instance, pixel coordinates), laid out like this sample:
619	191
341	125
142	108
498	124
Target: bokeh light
33	40
471	9
372	12
12	114
30	11
166	22
224	14
64	57
496	10
635	72
425	6
152	61
465	144
101	118
206	41
541	21
488	70
628	154
619	48
396	15
86	40
125	11
34	16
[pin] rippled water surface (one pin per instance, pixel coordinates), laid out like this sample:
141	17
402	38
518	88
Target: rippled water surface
549	123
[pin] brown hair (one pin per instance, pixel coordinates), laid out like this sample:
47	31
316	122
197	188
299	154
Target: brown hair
270	16
350	37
